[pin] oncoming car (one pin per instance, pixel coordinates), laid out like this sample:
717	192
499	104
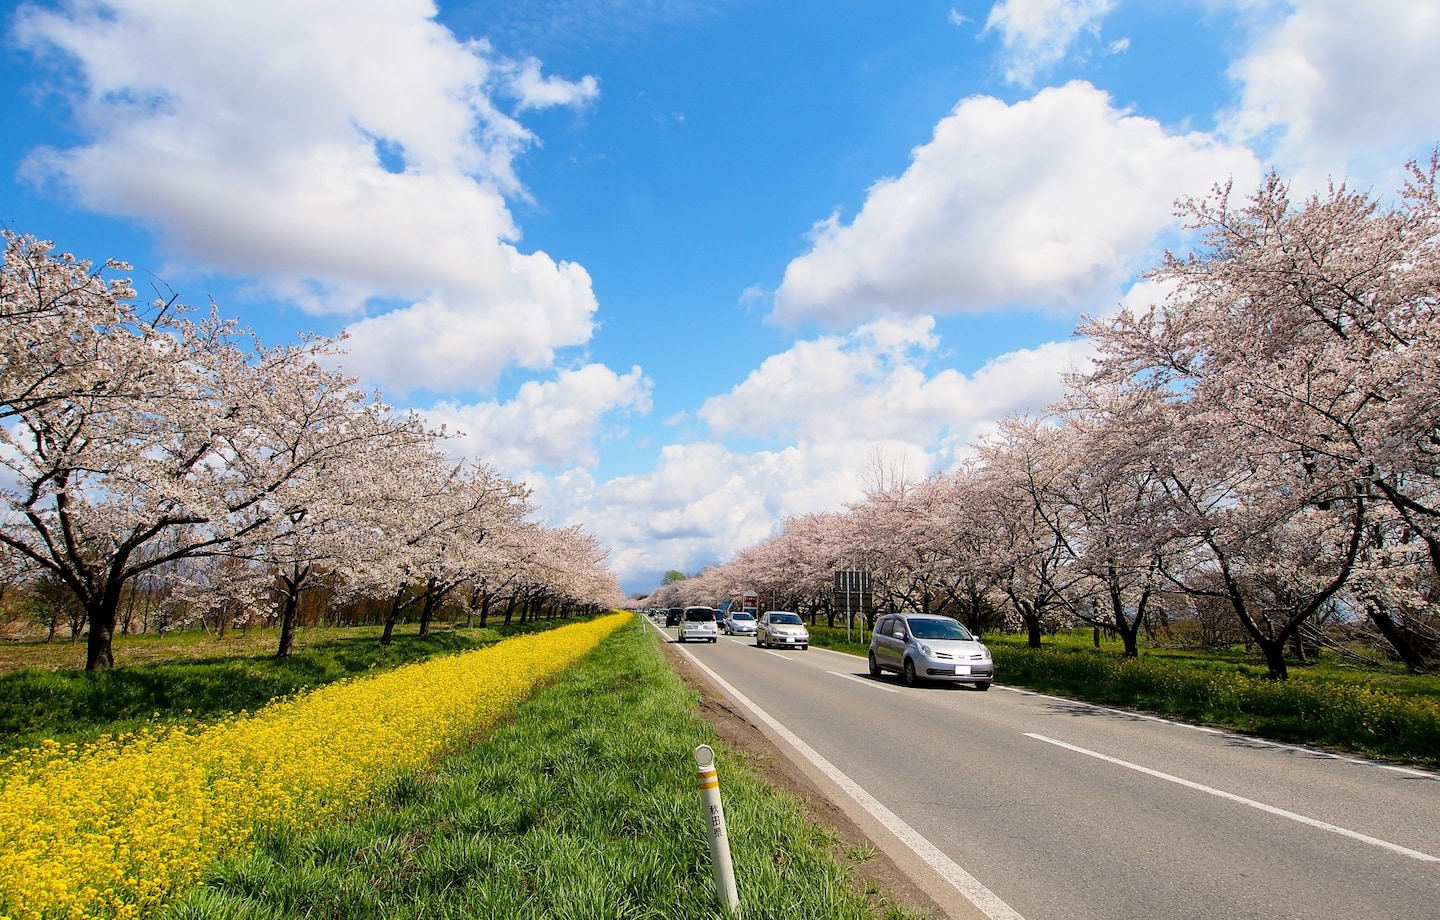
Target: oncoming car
699	624
929	648
782	628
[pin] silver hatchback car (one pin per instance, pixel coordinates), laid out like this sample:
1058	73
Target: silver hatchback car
739	623
929	648
782	628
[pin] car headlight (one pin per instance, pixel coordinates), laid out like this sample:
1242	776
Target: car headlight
985	651
925	650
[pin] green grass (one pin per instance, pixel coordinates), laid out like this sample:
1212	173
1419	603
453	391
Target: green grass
1377	711
834	638
194	678
583	806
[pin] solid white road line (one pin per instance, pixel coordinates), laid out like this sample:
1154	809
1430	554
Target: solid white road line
1247	739
1232	797
983	898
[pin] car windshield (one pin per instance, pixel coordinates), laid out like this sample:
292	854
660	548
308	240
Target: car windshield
741	616
938	629
700	616
785	619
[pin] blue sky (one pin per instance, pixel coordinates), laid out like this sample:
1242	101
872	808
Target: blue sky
688	266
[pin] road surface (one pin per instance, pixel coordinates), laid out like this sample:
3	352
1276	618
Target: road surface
1034	807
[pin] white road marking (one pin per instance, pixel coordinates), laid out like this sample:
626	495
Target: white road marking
861	680
983	898
1407	771
1247	739
778	655
1232	797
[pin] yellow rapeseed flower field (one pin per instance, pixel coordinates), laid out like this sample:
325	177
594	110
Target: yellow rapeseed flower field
117	828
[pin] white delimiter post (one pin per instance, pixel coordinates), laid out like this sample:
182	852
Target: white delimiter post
719	837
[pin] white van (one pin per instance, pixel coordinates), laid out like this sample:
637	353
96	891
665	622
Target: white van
699	623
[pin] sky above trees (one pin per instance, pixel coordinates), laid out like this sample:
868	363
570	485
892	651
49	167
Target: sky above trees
688	267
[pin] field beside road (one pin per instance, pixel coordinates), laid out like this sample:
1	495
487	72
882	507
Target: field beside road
580	802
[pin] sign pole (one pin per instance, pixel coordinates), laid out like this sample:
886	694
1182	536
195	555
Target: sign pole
709	782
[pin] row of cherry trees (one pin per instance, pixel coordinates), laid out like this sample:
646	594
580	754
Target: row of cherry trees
1262	445
136	439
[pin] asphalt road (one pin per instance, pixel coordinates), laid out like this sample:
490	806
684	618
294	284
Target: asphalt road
1065	810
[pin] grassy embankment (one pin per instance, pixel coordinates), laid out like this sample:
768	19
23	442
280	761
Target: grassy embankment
583	804
1382	712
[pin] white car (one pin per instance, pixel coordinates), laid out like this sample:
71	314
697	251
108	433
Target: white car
698	624
782	629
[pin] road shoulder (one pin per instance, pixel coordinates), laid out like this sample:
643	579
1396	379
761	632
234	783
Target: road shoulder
879	877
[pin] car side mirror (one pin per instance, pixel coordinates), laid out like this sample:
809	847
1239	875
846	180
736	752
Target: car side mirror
900	634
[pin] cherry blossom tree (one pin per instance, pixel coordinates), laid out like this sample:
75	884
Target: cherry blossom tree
116	434
1111	492
906	554
964	538
1310	332
1026	556
69	332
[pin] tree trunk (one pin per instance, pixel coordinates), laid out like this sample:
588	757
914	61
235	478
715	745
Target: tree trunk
1274	653
427	610
289	614
1400	639
1032	629
395	607
290	609
1131	638
99	653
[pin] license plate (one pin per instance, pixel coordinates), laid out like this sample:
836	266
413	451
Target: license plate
962	669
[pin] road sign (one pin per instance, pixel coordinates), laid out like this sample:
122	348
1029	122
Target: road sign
852	594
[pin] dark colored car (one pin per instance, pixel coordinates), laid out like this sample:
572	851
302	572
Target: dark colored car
674	615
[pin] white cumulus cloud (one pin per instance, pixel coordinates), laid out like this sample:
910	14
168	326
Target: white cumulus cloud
1038	33
337	152
873	386
1051	202
557	423
1335	87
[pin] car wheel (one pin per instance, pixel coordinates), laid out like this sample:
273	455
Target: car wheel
804	647
874	667
911	678
985	685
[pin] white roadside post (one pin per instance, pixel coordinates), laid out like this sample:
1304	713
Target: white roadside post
719	837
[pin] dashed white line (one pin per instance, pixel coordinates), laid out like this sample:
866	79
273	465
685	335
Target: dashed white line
1232	797
861	680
